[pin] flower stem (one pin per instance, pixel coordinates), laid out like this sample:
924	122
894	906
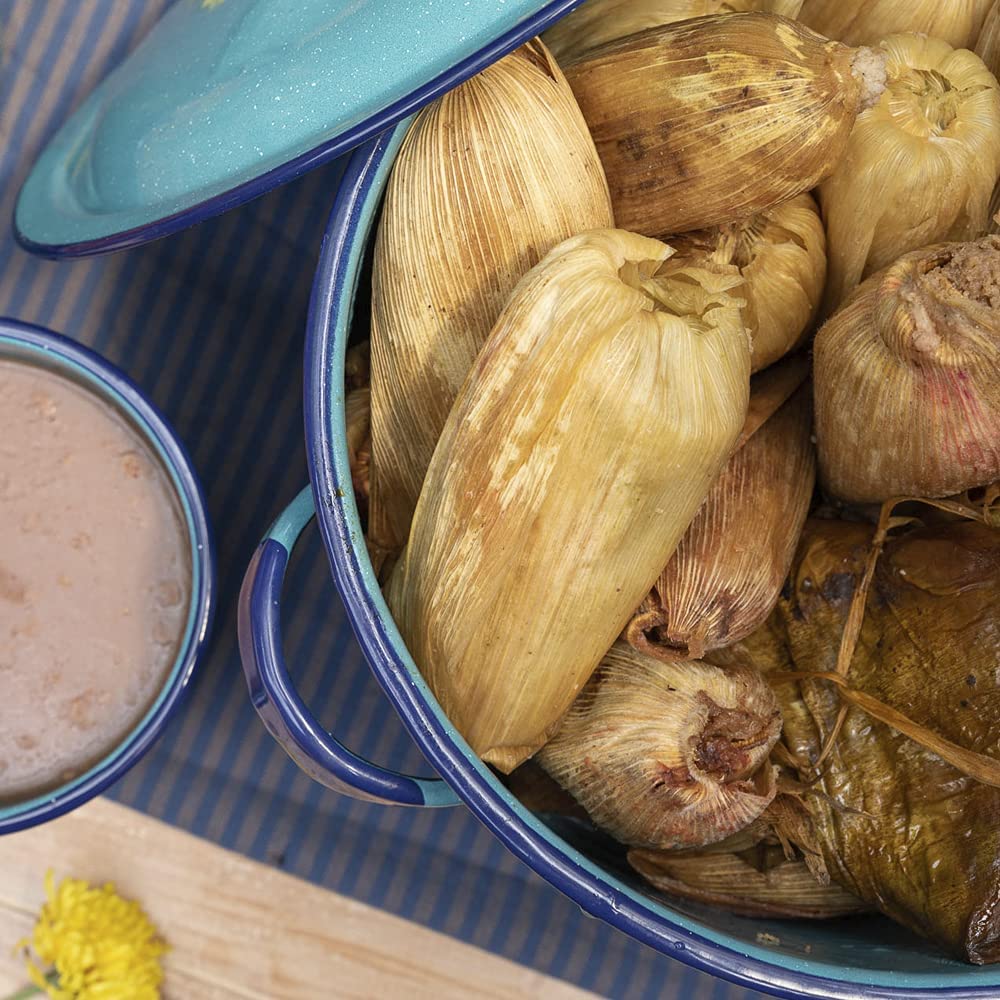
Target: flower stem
31	990
25	992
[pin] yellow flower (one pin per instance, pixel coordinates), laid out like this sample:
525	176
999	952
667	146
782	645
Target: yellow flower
103	947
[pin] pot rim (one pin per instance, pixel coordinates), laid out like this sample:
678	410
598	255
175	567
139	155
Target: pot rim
38	346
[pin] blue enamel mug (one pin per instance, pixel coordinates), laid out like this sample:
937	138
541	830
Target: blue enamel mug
38	347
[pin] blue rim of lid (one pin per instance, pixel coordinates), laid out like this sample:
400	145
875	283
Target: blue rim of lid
35	345
37	197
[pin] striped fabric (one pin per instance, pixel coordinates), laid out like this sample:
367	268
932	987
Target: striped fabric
210	323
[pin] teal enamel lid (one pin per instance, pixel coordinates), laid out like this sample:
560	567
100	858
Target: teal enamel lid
225	99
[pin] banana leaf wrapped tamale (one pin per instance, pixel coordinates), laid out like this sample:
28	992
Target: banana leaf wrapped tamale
592	426
897	825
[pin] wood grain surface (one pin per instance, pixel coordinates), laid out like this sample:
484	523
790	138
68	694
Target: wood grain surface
238	929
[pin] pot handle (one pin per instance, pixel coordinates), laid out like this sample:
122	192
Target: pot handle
278	703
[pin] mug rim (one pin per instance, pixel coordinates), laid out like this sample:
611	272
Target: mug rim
597	891
37	346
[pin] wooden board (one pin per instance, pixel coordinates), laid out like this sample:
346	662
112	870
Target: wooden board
239	929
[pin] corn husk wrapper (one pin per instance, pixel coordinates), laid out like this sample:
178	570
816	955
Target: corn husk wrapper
897	825
357	366
920	166
536	791
725	577
867	22
706	121
600	21
905	378
357	409
667	755
781	254
770	390
357	422
760	882
488	180
993	229
988	49
595	421
988	43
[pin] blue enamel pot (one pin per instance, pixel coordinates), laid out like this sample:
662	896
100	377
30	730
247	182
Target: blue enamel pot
847	959
32	345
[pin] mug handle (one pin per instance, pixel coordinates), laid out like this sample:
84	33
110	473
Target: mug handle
278	703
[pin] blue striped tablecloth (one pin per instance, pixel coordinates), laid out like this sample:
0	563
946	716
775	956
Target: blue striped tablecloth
211	323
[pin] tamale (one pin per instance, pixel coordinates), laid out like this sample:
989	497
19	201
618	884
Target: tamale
919	167
724	578
357	366
489	179
781	254
591	428
867	22
760	882
667	755
536	791
770	390
599	21
707	121
358	414
988	43
906	378
896	825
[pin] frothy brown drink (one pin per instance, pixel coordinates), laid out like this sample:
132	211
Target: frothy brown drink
95	579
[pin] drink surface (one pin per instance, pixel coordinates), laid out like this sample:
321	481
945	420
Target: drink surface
95	579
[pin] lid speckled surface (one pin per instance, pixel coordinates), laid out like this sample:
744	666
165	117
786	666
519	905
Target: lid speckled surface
226	99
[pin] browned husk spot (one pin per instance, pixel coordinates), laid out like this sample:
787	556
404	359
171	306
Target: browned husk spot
647	632
722	748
